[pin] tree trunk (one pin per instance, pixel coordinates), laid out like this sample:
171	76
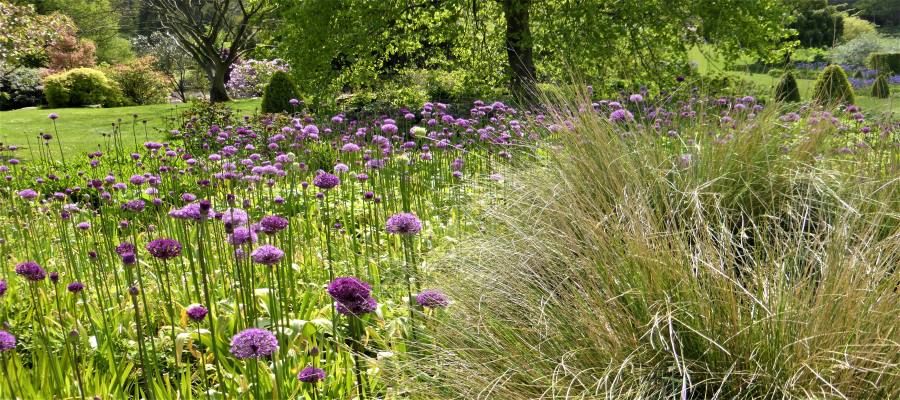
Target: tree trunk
519	48
217	92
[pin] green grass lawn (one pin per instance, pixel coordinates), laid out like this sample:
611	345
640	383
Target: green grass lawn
709	62
81	129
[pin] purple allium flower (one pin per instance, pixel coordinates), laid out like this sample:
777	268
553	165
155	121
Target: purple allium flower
193	211
164	248
196	312
636	98
242	235
31	270
390	129
326	181
3	287
349	289
294	102
235	216
267	255
432	298
253	343
75	287
357	308
125	248
54	277
133	290
53	116
311	375
621	115
28	194
137	205
84	225
273	223
129	259
404	224
7	341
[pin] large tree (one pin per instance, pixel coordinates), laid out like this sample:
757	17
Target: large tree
520	47
214	32
357	42
28	35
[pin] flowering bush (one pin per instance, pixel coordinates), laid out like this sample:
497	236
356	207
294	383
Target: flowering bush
249	78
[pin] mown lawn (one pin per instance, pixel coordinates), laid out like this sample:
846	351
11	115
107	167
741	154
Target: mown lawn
82	129
708	62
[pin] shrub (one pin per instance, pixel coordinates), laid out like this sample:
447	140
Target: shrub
20	87
809	55
80	87
832	87
67	51
626	270
139	82
885	62
881	89
786	90
278	94
856	51
855	27
249	78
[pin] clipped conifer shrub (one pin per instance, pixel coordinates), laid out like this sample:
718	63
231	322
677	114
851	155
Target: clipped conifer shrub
278	94
833	87
786	90
880	88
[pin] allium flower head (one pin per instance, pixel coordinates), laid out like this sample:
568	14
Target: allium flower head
7	341
357	308
253	343
75	287
235	216
124	248
389	128
311	375
349	289
242	235
3	287
129	259
621	115
432	299
31	270
404	224
273	223
326	181
196	312
28	194
267	255
137	205
193	211
164	248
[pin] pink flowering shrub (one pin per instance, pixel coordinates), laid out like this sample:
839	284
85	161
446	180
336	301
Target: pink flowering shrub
249	78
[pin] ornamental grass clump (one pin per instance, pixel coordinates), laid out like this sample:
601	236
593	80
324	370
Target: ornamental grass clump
765	267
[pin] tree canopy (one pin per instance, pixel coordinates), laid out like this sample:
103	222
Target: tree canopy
335	45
